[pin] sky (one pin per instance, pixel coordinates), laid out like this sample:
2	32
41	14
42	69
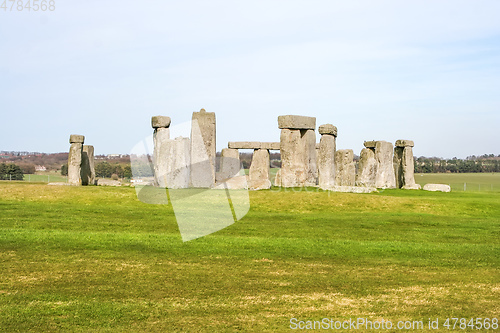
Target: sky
427	71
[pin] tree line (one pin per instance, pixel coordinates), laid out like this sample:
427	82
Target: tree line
472	164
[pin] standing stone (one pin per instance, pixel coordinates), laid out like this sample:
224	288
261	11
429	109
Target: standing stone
404	165
298	151
367	168
345	169
203	152
88	170
75	159
178	163
161	137
326	155
385	170
259	170
229	163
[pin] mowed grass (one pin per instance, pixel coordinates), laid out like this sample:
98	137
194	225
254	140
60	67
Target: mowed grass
476	182
96	259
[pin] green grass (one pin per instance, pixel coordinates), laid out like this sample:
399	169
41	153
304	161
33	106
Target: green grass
96	259
46	177
478	182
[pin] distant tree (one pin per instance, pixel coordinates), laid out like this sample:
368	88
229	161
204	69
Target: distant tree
64	169
27	168
127	171
118	171
10	172
103	169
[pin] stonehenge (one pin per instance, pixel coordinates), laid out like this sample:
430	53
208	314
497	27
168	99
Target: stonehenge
326	155
298	151
203	149
190	162
161	136
345	169
80	162
404	165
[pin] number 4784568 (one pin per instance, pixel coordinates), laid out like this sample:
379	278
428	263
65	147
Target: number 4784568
29	5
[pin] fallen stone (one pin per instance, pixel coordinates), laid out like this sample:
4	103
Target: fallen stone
108	182
412	187
59	184
437	187
296	122
235	183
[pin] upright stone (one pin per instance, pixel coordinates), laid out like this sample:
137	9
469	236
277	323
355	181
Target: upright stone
298	151
385	170
88	170
326	155
367	168
75	159
230	164
161	137
259	170
178	163
404	165
203	149
345	169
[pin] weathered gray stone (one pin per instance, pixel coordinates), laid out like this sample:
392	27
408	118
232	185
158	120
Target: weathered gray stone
385	170
160	122
404	143
327	129
75	160
75	138
367	168
345	169
437	187
254	145
235	183
404	165
326	160
277	178
259	170
179	162
87	167
161	137
108	182
230	164
298	158
311	166
296	122
203	149
412	187
370	144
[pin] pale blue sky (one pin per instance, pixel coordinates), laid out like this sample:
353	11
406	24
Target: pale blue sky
385	70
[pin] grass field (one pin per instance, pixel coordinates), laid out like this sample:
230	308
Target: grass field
46	177
478	182
96	259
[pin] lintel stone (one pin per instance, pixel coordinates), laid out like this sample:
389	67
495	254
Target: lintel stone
404	143
296	122
370	144
160	121
254	145
75	138
327	129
